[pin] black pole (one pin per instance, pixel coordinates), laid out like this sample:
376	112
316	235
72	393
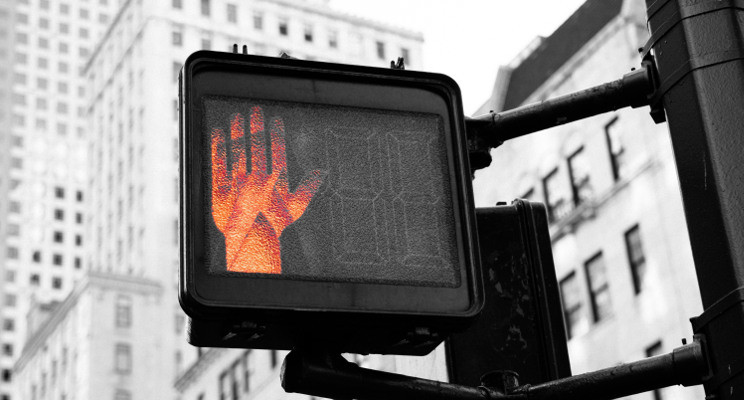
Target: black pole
686	365
634	89
699	50
324	374
330	375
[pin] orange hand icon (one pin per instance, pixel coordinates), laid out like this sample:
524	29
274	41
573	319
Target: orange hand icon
253	209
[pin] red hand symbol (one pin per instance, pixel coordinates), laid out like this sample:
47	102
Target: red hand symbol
253	209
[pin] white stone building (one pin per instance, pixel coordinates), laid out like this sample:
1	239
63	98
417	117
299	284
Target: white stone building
43	188
132	108
620	242
98	344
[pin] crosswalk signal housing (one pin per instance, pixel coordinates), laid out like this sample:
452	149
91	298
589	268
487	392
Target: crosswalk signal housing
323	204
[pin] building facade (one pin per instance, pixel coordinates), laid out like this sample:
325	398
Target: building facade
98	343
238	374
133	113
43	128
620	243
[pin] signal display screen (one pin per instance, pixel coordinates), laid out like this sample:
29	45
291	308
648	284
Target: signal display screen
327	193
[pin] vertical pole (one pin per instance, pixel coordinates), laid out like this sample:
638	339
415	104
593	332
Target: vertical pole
699	49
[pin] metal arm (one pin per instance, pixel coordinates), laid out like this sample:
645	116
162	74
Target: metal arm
329	375
635	89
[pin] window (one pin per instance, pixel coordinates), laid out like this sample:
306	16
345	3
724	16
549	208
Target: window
555	196
57	283
79	196
616	149
41	104
84	13
224	386
655	350
8	349
123	358
308	33
258	21
176	70
380	50
83	33
35	280
43	43
59	214
123	312
122	394
36	256
573	305
78	263
10	275
636	257
19	78
57	259
284	27
578	170
177	37
12	253
246	372
206	44
6	375
177	4
59	192
13	230
232	13
78	240
406	54
205	11
42	63
58	237
78	218
229	384
10	300
333	39
274	358
599	287
179	323
8	325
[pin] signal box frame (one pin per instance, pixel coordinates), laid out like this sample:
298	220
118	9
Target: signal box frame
227	310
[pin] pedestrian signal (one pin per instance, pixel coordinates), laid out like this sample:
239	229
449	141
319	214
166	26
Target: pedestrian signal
323	203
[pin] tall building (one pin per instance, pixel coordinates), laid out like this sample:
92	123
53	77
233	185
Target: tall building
620	243
43	48
117	104
91	345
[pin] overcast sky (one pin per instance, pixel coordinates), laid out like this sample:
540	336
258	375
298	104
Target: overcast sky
468	39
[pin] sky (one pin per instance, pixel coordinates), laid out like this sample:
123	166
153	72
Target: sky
468	39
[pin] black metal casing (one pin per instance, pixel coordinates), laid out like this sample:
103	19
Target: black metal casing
521	328
348	314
